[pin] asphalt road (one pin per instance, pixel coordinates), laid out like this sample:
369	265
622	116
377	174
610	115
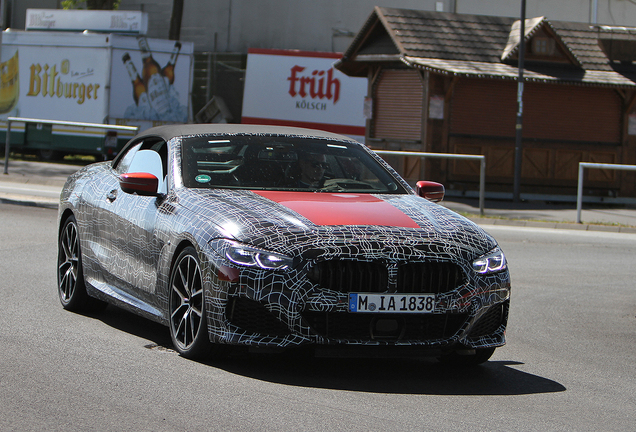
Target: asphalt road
568	366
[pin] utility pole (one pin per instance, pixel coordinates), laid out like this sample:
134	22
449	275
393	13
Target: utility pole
519	125
1	24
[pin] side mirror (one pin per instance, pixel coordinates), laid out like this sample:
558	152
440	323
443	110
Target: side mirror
141	183
432	191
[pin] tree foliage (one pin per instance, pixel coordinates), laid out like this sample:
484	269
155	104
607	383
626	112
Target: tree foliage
91	4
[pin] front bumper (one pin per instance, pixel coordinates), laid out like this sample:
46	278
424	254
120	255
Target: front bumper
261	308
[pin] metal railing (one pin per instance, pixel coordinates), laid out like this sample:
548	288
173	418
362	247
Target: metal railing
10	120
480	158
579	191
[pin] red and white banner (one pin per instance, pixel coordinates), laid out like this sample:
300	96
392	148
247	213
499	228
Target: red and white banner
301	88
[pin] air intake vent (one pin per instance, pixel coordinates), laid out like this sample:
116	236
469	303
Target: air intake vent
491	320
429	277
373	276
367	327
253	317
350	276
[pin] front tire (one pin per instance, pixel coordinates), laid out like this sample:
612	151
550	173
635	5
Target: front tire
71	287
186	306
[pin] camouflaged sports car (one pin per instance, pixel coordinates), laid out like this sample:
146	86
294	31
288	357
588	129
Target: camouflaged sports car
272	237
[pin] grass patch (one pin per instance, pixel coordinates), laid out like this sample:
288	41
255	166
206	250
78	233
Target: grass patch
80	160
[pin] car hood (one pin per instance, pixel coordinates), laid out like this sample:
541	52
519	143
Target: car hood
315	224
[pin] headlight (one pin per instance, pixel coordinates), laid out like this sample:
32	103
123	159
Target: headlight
492	262
252	257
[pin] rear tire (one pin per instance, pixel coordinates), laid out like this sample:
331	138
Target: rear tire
186	307
71	287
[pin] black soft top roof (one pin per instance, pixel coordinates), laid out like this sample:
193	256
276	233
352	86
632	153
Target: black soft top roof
171	131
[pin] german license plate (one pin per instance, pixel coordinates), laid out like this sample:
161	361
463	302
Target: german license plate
391	303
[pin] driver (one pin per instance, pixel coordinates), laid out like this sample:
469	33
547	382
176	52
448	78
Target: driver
312	170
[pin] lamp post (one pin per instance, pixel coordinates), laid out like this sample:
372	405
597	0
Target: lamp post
519	124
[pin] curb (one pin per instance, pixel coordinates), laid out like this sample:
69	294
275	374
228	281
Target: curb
27	200
554	225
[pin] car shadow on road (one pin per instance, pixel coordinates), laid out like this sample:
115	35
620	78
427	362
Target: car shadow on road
134	325
403	376
399	376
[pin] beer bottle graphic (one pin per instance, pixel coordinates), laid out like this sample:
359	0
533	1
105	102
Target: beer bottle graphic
9	84
153	80
168	70
139	89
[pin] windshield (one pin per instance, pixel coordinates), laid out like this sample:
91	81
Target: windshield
283	163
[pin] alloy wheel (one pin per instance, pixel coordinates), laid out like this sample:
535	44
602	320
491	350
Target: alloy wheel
186	304
68	262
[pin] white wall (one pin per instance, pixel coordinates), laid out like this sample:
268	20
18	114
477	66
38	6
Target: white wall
609	12
236	25
558	10
323	25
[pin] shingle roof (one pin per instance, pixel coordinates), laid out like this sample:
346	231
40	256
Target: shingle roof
531	73
479	45
582	39
446	35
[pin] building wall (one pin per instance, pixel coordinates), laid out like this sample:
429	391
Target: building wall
236	25
325	25
610	12
14	12
329	25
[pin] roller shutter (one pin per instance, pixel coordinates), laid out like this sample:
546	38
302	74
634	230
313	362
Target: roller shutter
551	111
572	113
484	108
398	105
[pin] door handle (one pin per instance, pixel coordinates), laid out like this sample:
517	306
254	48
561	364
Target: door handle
112	195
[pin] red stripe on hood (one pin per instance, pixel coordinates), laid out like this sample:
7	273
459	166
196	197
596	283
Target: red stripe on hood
341	208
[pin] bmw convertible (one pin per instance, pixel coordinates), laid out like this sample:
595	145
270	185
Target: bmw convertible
273	238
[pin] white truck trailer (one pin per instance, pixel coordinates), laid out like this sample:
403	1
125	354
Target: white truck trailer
91	77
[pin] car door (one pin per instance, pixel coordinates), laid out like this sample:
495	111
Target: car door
131	248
